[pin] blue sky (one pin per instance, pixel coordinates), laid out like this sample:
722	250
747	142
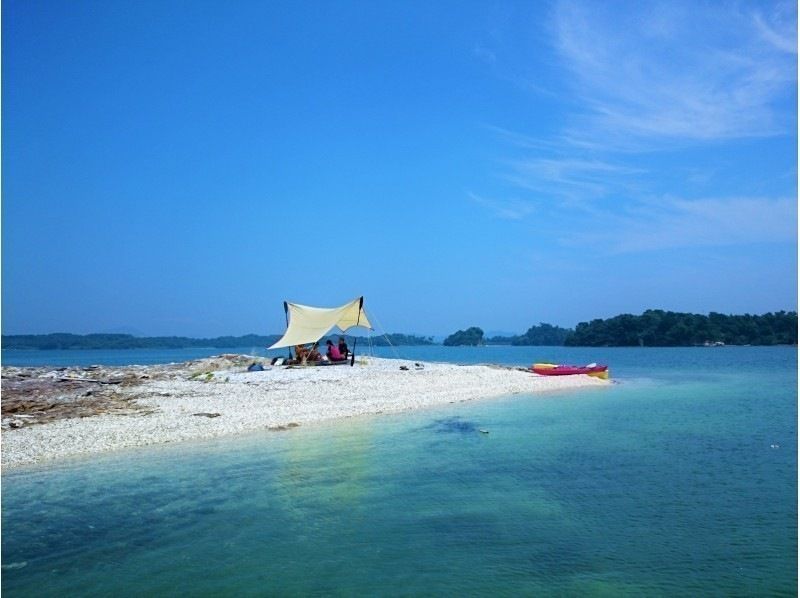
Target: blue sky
183	167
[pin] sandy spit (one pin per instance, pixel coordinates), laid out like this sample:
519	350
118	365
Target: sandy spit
168	400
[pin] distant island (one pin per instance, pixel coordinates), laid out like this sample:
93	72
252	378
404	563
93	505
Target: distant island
654	328
471	337
65	341
658	328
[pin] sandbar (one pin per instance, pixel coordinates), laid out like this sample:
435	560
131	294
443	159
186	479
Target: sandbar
57	413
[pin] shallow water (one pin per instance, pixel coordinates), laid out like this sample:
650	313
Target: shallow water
680	480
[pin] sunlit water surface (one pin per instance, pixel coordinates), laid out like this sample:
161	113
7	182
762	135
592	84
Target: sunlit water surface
678	480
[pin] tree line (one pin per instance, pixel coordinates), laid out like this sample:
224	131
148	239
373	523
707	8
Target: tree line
658	328
471	336
541	335
399	339
64	341
654	328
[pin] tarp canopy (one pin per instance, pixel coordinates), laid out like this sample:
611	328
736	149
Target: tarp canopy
309	324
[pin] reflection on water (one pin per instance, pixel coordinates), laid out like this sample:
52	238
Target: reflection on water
346	452
667	487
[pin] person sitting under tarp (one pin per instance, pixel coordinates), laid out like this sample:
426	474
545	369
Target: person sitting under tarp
343	348
333	352
314	355
301	353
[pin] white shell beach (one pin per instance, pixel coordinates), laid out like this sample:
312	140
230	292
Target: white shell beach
217	397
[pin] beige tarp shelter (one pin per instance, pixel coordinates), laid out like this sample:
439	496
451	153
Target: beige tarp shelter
309	324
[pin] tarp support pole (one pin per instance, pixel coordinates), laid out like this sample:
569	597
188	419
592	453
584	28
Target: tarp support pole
286	312
355	338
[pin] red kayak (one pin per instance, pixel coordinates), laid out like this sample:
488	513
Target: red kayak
551	369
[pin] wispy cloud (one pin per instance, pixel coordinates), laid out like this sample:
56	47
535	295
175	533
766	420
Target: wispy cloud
677	223
662	71
508	209
778	27
573	180
652	78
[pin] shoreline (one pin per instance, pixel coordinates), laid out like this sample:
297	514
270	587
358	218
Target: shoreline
87	411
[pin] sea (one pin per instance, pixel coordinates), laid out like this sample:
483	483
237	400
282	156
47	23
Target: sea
678	479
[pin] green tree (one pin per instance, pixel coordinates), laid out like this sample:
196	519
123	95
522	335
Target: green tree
471	336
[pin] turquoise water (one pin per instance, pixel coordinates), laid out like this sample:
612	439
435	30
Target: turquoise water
680	480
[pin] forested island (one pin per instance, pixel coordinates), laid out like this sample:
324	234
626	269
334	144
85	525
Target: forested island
63	341
541	335
658	328
654	328
471	337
